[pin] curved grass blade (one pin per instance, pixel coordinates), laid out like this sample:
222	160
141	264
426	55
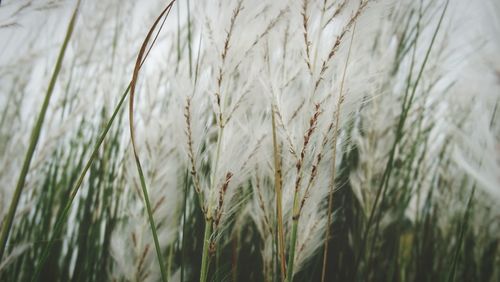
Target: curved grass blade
135	75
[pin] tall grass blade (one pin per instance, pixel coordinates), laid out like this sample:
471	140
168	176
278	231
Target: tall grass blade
138	64
35	135
463	228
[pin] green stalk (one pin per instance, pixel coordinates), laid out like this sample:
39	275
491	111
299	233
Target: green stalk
463	228
208	215
184	214
209	219
35	135
279	198
206	244
296	201
170	261
151	220
143	53
189	40
293	238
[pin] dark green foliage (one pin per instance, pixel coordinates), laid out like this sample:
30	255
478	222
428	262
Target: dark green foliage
81	253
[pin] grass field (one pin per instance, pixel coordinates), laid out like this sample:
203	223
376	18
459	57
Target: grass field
304	140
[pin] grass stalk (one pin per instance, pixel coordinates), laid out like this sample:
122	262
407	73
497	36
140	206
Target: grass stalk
35	136
184	215
215	164
206	245
297	205
208	216
138	64
293	238
334	158
190	35
279	197
152	224
463	228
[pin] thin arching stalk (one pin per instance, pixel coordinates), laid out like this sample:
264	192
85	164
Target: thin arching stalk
135	75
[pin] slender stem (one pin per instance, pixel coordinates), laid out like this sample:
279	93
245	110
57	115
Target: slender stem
217	156
234	258
209	219
35	135
170	261
208	215
206	244
334	158
143	53
293	238
297	206
151	220
463	227
279	198
190	56
184	214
